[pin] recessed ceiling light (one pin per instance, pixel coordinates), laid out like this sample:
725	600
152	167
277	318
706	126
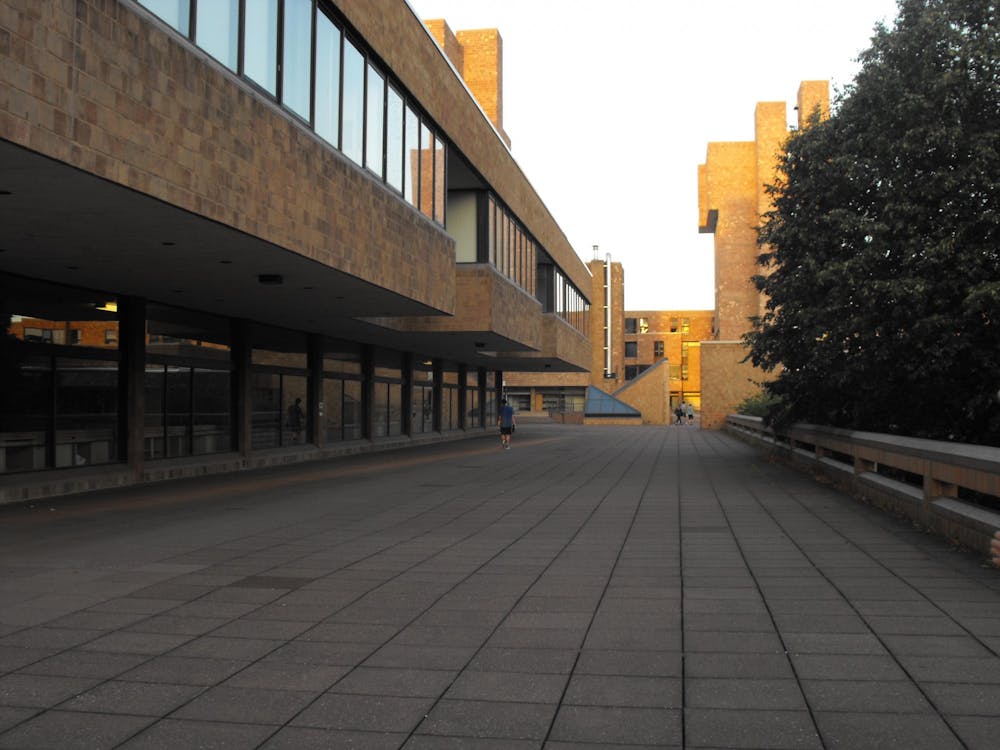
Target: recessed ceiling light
168	243
273	279
73	268
225	262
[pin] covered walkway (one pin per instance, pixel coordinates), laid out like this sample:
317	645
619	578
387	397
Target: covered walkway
593	587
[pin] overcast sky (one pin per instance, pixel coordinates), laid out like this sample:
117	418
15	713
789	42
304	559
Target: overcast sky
610	108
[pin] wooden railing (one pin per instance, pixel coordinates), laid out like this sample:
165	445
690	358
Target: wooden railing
950	488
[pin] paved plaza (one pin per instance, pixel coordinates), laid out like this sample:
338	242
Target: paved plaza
593	587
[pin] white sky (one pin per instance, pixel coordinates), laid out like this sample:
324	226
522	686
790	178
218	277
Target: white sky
610	108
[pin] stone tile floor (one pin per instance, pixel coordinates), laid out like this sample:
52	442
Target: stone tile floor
593	587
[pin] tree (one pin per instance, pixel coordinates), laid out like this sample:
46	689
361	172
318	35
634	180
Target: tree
881	257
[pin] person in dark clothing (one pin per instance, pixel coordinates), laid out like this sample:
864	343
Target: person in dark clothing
506	422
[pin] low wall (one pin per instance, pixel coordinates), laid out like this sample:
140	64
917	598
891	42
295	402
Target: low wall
919	479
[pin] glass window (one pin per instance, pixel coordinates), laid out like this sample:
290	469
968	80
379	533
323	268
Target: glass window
211	421
154	435
491	236
296	68
177	13
631	325
25	409
352	410
175	332
294	397
631	349
341	357
380	422
411	165
86	417
426	171
352	136
395	409
332	409
423	409
394	139
327	80
266	406
375	128
217	29
439	157
178	411
56	410
260	48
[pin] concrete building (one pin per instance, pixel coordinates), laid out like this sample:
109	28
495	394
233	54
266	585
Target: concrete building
628	347
243	233
732	201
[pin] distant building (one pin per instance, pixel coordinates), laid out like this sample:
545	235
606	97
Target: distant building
732	202
626	345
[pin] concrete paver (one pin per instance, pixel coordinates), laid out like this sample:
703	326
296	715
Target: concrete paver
592	587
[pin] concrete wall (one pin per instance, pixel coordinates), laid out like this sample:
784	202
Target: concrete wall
96	85
650	394
726	381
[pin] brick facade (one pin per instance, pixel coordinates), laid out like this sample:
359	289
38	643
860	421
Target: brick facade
732	201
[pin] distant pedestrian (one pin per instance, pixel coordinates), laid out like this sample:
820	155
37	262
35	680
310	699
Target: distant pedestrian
690	410
506	423
679	413
296	418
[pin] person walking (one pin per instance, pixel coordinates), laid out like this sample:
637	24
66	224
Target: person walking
506	423
296	420
690	411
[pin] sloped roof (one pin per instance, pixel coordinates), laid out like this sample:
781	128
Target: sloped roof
601	404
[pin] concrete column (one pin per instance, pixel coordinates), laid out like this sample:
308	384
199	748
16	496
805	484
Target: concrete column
314	402
406	398
438	394
463	375
241	351
131	375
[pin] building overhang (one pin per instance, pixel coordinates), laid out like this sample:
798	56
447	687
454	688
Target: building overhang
68	226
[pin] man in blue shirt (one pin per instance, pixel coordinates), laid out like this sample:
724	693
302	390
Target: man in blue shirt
505	421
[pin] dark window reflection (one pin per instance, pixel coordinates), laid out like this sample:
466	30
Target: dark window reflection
58	376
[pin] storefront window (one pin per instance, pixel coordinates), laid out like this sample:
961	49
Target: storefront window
352	410
58	376
280	388
86	412
266	409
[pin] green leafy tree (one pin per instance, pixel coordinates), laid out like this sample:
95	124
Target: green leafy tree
881	257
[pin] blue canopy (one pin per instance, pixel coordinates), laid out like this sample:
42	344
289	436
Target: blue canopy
601	404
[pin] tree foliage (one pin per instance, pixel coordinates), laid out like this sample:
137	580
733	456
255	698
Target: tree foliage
881	257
